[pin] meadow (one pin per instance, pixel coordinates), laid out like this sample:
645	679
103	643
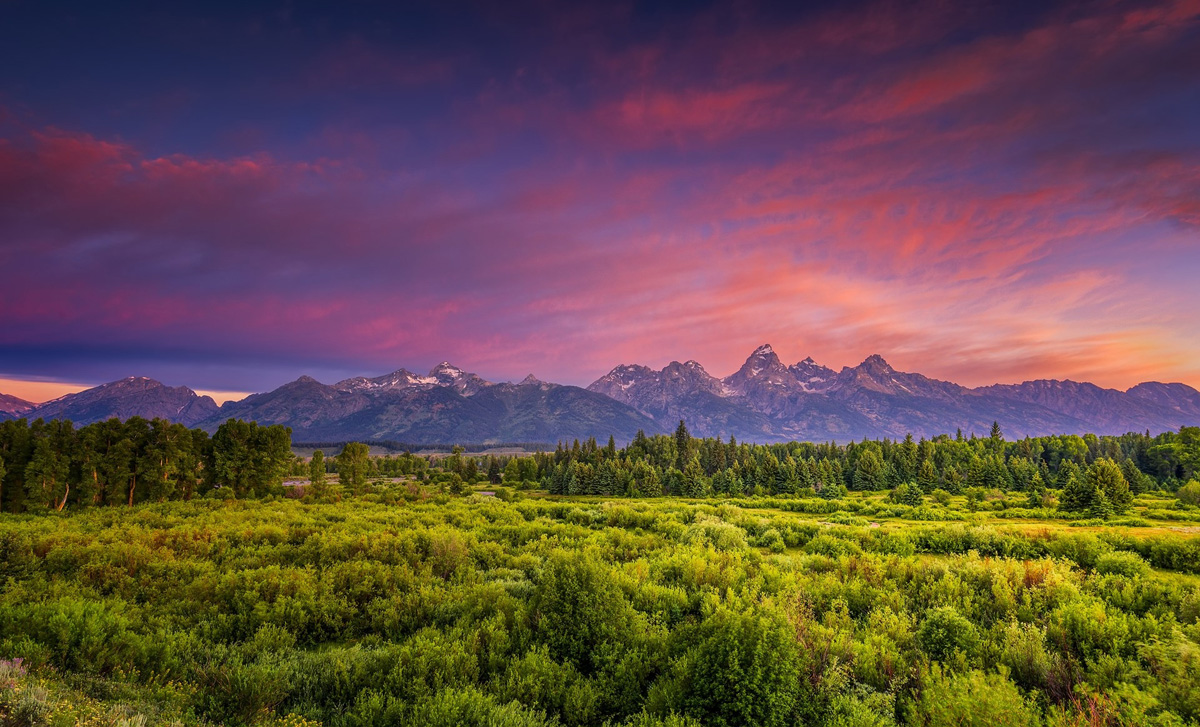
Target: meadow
408	605
157	575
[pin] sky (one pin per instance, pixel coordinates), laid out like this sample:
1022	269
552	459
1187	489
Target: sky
227	197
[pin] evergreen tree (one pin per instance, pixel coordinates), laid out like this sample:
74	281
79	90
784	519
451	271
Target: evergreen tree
683	442
1105	478
927	477
869	471
1036	492
694	482
1077	495
996	438
1101	507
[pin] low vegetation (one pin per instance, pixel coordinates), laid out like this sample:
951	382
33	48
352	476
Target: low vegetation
396	591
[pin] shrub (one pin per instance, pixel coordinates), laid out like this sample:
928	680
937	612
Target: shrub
1121	563
945	631
1189	494
742	672
974	699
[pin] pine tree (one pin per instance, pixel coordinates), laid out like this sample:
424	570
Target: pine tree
683	442
927	477
1101	506
1077	495
953	480
869	472
1105	477
1036	491
694	482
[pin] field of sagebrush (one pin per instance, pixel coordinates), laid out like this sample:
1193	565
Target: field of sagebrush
438	610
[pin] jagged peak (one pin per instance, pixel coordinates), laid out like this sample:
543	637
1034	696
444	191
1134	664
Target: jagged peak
530	380
763	350
306	379
629	369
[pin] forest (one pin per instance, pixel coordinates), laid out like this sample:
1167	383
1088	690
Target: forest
156	575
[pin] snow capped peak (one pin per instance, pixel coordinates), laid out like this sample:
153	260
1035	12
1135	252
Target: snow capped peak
763	350
808	360
447	368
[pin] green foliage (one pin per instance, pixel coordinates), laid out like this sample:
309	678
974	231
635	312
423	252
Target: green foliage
1189	494
741	671
945	631
404	606
974	699
353	465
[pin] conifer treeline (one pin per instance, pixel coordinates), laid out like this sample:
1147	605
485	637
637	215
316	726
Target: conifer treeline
54	465
1081	466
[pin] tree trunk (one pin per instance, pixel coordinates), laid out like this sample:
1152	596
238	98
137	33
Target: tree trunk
63	504
132	486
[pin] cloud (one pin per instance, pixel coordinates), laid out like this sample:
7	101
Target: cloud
976	200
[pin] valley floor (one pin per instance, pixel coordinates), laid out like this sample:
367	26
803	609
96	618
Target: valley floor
421	608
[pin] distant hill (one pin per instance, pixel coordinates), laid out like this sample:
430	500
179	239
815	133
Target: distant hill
12	407
763	401
134	396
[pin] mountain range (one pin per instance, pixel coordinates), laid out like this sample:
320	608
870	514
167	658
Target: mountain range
764	401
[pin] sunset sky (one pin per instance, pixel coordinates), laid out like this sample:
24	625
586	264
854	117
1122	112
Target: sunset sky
981	192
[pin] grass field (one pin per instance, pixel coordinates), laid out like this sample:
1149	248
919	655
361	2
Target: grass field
428	609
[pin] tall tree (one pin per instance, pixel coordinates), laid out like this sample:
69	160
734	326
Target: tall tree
316	475
352	466
1104	478
869	472
46	475
683	442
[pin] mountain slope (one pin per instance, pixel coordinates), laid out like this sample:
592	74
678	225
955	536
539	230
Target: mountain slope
134	396
768	401
764	400
11	407
449	405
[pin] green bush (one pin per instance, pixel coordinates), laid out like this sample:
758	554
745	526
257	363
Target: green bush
974	699
945	631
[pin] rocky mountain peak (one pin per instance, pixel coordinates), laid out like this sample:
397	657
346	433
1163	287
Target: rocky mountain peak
875	362
762	368
464	382
812	376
